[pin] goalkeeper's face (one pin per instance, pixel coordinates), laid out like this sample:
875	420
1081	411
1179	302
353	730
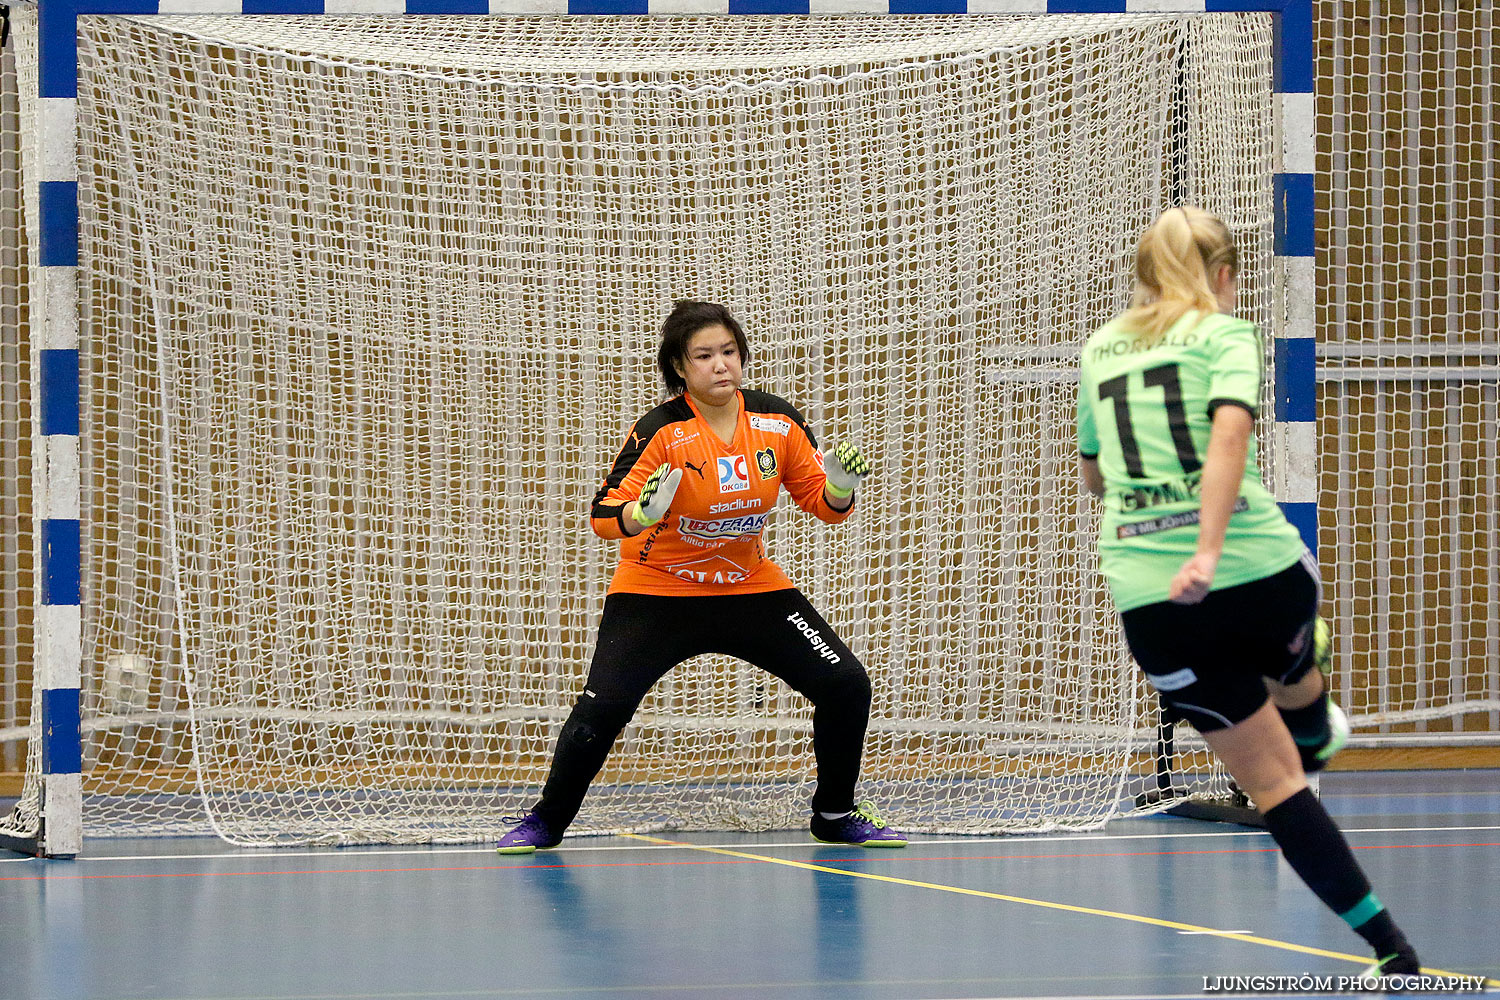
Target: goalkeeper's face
711	366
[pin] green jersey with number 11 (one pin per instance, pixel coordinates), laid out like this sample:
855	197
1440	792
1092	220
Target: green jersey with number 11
1145	410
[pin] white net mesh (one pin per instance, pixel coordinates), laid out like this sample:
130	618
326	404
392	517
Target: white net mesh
369	304
19	753
1411	365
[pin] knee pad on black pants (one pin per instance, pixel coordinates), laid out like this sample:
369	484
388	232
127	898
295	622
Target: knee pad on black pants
844	688
595	723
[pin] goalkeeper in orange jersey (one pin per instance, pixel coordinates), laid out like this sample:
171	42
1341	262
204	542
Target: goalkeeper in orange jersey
688	496
1217	594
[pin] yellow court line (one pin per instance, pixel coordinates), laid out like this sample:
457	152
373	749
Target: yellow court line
1047	904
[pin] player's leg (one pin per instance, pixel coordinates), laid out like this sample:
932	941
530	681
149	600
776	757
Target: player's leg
784	635
1317	724
1299	687
1207	661
640	638
1261	755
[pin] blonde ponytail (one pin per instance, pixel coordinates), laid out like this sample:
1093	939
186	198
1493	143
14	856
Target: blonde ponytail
1174	266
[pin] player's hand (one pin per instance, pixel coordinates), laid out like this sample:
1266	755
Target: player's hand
1194	580
657	494
845	467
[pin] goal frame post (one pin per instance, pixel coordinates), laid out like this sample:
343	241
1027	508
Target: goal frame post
54	333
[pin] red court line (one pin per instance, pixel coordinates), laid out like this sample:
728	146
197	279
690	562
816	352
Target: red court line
826	862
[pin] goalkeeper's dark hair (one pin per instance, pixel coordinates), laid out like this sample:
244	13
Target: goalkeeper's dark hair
688	316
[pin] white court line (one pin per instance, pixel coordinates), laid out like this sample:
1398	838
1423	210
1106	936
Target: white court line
580	847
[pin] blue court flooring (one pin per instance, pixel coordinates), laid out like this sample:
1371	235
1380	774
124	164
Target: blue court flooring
1156	907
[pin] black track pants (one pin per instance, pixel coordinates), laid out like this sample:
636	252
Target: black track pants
642	637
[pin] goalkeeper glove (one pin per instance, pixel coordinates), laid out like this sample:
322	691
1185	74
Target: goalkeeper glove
657	494
845	467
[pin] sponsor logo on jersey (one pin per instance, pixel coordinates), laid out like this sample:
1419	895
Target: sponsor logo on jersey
729	527
682	441
764	423
738	503
711	569
765	461
696	468
1136	529
703	576
814	637
656	532
734	474
1143	495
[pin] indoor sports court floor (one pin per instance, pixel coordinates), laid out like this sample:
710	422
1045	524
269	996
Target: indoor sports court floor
1159	907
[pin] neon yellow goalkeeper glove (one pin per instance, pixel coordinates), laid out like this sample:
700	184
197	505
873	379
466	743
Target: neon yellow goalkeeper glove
657	494
845	467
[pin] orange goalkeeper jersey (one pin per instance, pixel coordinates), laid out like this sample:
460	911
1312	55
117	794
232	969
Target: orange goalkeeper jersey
710	540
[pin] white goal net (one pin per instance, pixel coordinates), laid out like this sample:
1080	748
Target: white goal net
368	305
1409	382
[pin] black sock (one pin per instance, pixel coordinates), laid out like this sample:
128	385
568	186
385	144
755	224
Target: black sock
1386	938
1309	724
1317	851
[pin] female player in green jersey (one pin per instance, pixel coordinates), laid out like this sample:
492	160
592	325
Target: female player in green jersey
1216	592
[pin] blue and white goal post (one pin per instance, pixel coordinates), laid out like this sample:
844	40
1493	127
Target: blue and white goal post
55	327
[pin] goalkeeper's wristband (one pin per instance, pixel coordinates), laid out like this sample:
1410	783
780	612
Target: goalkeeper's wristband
836	492
639	519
